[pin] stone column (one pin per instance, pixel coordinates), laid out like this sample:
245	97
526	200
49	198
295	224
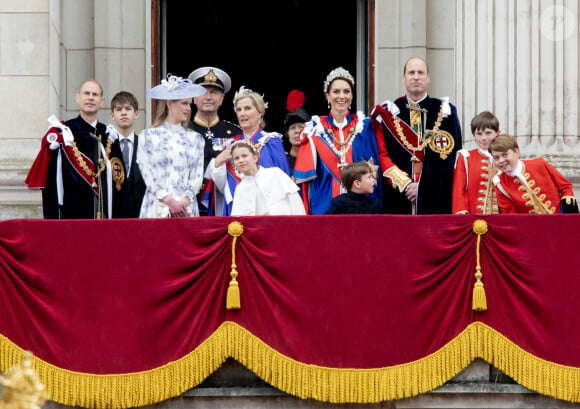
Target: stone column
78	27
29	38
119	53
401	32
105	40
48	48
520	60
415	28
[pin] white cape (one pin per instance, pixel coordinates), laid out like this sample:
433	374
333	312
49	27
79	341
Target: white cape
269	192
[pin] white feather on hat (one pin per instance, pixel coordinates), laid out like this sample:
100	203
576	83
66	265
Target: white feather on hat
176	88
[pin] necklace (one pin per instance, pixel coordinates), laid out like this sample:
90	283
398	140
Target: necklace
83	164
344	146
257	146
421	145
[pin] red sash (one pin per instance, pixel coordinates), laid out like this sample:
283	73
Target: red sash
327	154
38	173
232	171
389	121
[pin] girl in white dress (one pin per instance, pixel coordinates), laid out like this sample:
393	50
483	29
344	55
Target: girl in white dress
170	155
262	191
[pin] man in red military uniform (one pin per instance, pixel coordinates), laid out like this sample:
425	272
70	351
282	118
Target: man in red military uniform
528	186
473	190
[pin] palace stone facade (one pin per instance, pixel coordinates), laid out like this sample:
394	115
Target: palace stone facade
517	59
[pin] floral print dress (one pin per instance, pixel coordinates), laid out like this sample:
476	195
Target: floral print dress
170	158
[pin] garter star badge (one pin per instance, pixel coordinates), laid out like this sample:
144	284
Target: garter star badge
441	142
118	172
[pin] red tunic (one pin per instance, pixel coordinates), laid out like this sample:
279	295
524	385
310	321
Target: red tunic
472	184
547	187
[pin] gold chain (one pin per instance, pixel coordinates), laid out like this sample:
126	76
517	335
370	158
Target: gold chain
83	164
343	150
258	146
422	144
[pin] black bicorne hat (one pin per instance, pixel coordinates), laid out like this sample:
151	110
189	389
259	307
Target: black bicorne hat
296	113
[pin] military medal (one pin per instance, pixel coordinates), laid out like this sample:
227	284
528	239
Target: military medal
219	144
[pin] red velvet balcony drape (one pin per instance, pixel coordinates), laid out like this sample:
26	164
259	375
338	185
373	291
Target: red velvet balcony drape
335	308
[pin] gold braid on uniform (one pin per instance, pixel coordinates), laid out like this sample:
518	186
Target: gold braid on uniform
534	198
570	200
399	179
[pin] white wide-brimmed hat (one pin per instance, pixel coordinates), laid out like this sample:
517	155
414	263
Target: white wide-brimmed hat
211	76
176	88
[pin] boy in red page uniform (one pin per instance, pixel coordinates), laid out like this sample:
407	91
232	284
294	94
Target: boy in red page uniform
528	186
473	190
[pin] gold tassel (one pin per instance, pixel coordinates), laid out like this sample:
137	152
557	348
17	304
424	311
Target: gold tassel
233	295
479	300
235	229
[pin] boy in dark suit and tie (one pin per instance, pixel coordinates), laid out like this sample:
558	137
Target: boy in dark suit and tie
128	185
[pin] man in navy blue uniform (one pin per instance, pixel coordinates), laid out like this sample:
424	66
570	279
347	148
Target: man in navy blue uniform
216	132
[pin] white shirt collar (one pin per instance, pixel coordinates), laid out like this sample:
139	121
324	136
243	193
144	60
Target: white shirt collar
486	153
419	100
93	124
517	171
131	137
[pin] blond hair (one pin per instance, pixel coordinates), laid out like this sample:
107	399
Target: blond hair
257	101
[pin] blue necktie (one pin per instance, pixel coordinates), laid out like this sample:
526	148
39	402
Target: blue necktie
125	151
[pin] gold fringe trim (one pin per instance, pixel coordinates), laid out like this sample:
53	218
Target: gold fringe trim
299	379
337	385
545	377
123	390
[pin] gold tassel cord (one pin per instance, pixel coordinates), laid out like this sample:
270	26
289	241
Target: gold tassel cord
479	301
235	229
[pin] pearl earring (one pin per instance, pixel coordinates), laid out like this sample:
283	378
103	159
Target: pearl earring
328	104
